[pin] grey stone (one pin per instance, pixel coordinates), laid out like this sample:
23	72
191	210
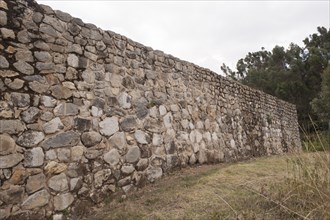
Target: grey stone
47	116
53	22
112	157
20	99
23	37
30	115
157	140
65	139
128	82
63	201
73	60
75	48
10	160
91	138
43	56
47	29
124	100
63	16
7	145
116	80
125	181
82	124
35	183
61	92
154	173
73	29
3	18
88	76
99	103
38	199
11	126
77	152
7	33
3	62
128	124
127	169
66	109
53	126
118	140
162	110
92	154
142	164
140	137
41	45
13	195
30	138
100	177
64	154
34	157
168	120
58	183
15	84
109	126
75	184
48	67
24	67
37	17
48	101
133	154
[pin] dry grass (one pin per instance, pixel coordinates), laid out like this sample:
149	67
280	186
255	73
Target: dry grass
276	187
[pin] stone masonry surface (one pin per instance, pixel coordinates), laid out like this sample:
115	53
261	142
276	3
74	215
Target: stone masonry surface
86	112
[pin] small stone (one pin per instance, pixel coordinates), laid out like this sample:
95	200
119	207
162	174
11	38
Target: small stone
100	177
48	101
73	60
112	157
54	167
76	48
157	140
34	157
48	67
3	18
61	92
8	73
38	199
7	145
124	100
58	216
3	62
142	164
53	126
128	169
10	160
30	138
15	84
11	126
118	140
35	183
168	120
66	109
47	29
90	139
23	37
20	99
63	201
133	154
64	154
47	116
58	183
128	124
140	137
7	33
82	124
162	110
41	45
13	195
24	67
63	16
154	173
75	184
109	126
43	56
77	152
65	139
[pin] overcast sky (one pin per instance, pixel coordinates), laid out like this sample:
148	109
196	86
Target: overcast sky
207	33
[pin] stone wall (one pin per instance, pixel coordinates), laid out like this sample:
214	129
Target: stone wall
85	113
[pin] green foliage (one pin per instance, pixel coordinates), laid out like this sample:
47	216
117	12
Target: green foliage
292	74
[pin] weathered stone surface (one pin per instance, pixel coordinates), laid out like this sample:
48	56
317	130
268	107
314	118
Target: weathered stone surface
48	101
63	201
118	140
65	139
91	138
34	157
7	33
66	109
168	120
30	138
3	18
15	84
3	61
112	157
73	60
53	126
127	169
154	173
58	183
7	145
109	126
133	154
124	100
38	199
24	67
11	126
140	137
8	73
100	177
61	92
20	99
10	160
63	154
24	55
128	124
30	115
13	195
43	56
35	183
54	167
47	29
142	164
77	152
82	124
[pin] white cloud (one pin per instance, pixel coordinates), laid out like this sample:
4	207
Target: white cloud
207	33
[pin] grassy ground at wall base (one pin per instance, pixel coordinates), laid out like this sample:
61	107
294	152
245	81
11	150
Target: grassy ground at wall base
295	186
